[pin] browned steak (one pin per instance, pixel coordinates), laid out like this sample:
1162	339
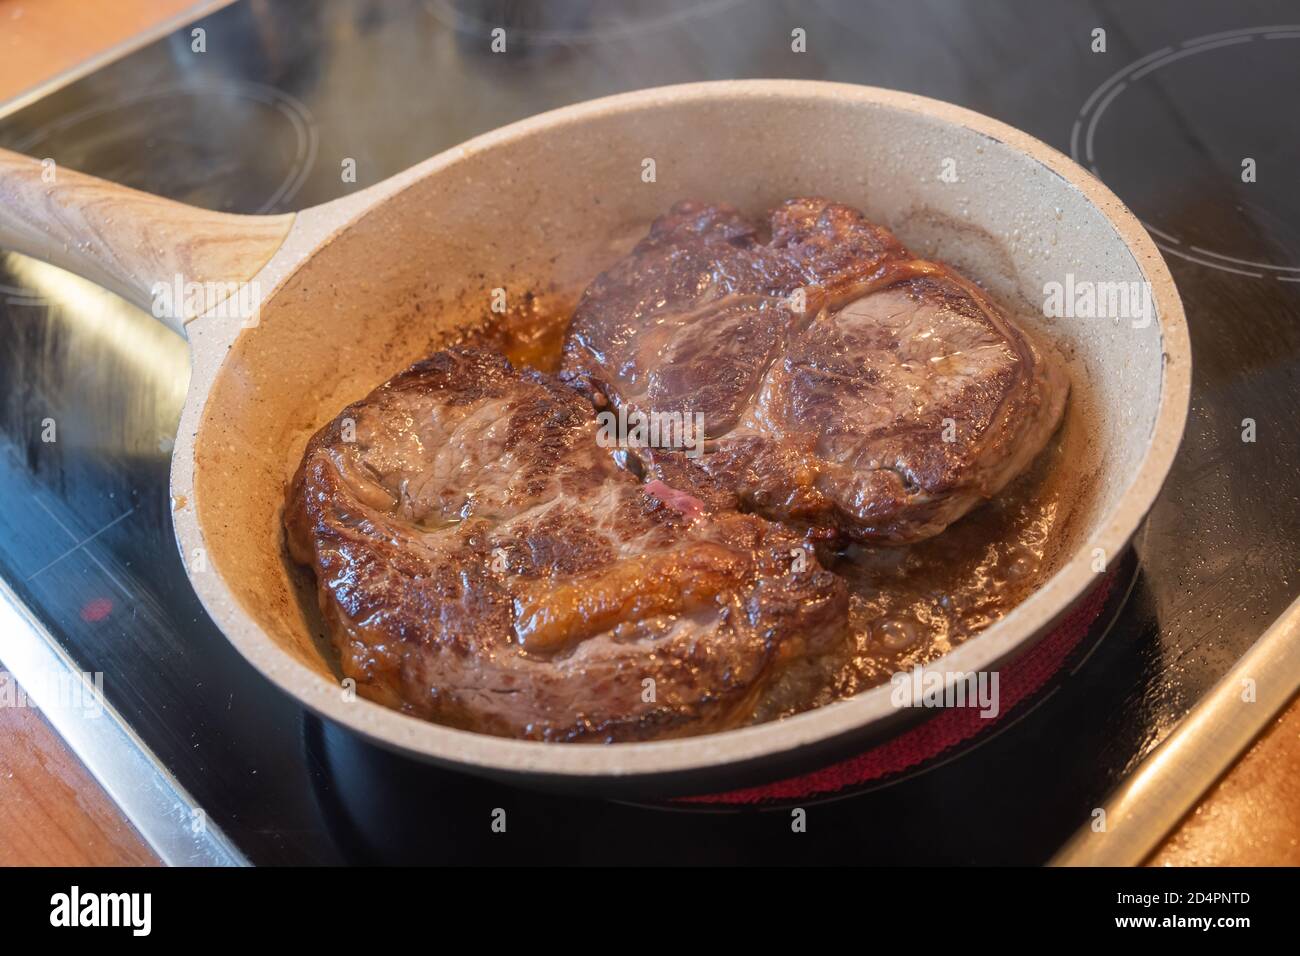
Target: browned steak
482	562
844	385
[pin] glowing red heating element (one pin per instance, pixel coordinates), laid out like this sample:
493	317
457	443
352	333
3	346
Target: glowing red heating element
1018	681
96	610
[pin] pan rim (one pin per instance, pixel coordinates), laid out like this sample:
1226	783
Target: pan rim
1029	621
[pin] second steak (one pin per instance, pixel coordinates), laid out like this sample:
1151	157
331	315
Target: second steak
843	384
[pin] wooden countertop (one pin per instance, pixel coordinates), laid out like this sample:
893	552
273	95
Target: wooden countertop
1252	816
52	812
41	39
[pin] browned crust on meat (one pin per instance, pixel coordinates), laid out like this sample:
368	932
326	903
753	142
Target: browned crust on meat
430	592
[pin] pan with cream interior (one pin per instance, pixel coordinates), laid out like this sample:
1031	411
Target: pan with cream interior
347	293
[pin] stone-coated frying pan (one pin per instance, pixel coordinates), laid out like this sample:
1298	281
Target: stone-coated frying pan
349	292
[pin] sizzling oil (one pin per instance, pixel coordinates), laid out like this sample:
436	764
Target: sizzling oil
908	605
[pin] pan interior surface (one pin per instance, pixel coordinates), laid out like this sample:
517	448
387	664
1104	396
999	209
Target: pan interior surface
541	208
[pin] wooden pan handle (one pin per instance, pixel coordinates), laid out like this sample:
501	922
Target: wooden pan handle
129	241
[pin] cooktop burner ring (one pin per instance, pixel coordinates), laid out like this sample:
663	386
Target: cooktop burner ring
305	137
1083	132
291	108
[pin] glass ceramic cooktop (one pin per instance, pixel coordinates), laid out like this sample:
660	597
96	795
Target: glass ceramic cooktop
260	122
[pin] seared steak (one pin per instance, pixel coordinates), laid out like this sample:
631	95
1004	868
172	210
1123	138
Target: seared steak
845	386
481	561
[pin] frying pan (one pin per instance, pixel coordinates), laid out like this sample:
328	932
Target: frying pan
349	292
